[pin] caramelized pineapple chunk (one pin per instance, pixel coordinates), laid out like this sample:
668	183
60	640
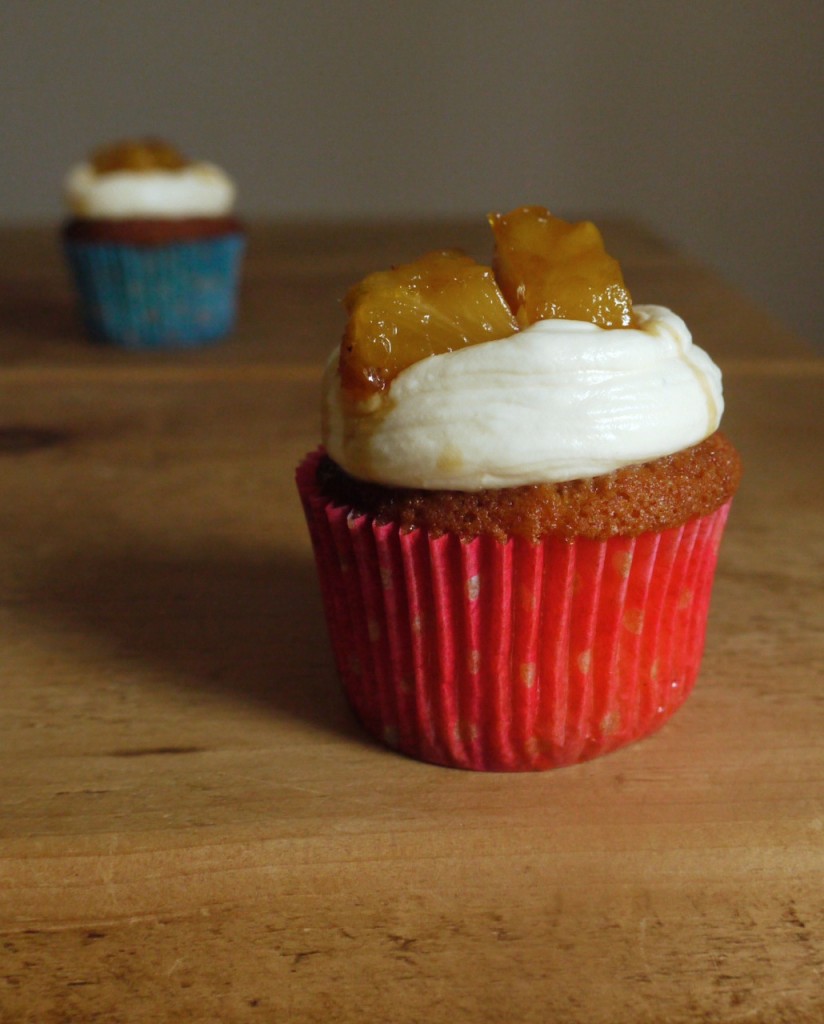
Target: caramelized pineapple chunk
545	268
550	269
440	302
138	155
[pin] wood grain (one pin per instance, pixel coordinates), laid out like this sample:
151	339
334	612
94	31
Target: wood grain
192	827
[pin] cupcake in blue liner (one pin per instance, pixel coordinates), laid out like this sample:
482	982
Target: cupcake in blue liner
153	247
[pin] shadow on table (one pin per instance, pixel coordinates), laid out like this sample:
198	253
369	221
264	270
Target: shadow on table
242	625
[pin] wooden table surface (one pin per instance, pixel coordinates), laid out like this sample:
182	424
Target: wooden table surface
192	826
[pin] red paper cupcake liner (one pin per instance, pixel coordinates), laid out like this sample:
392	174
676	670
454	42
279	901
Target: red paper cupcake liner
510	656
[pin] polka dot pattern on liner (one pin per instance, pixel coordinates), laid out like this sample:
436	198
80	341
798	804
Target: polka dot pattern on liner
493	681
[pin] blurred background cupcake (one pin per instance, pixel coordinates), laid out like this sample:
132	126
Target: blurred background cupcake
154	248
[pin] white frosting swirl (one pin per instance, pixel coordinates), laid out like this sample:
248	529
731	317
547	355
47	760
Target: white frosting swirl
560	400
197	190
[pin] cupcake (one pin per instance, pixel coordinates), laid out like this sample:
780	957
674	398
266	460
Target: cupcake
153	247
518	504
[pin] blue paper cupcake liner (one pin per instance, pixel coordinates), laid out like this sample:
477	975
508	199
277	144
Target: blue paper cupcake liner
181	294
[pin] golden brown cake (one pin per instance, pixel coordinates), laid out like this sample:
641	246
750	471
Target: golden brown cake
657	495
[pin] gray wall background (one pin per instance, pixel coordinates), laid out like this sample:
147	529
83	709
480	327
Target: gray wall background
701	118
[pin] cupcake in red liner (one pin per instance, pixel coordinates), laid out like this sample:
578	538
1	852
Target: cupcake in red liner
508	585
153	247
